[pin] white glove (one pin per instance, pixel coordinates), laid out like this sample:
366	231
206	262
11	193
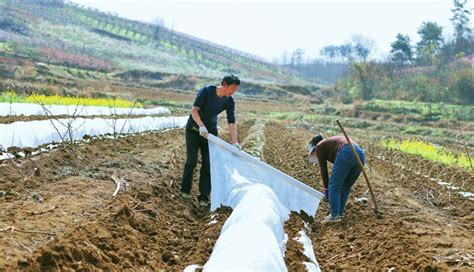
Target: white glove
203	132
313	159
236	145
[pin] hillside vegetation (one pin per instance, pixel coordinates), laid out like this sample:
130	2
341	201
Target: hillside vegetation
77	37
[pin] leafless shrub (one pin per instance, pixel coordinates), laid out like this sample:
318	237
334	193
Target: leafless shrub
113	122
68	136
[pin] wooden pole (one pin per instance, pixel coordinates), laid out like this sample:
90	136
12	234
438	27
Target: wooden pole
465	145
376	209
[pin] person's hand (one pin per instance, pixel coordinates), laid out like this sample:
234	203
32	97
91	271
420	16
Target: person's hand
203	131
236	145
326	194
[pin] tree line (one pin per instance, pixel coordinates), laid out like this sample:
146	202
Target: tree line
437	68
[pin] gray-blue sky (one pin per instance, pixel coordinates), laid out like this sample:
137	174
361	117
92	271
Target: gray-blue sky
268	28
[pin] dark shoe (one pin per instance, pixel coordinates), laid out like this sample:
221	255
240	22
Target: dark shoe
203	200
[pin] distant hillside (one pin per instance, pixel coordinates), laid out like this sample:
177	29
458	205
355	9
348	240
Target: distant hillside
66	34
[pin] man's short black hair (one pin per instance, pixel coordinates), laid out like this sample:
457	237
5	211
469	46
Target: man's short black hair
230	80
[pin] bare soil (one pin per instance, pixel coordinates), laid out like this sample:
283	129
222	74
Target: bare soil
416	233
58	211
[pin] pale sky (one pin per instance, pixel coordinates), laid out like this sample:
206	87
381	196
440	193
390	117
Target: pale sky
268	28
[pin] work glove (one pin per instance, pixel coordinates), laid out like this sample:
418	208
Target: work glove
203	132
312	159
326	194
236	145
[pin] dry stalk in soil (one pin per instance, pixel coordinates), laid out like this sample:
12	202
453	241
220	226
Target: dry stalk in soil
68	125
119	182
21	244
10	159
113	124
12	229
465	145
43	212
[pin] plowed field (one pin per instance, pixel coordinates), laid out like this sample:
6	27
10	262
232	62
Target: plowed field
58	211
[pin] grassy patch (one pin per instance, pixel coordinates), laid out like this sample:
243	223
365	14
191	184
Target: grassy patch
4	46
429	111
429	151
11	97
167	103
327	123
293	116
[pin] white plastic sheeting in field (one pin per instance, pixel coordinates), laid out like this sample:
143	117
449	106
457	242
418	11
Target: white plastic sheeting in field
35	133
28	109
253	238
308	252
226	159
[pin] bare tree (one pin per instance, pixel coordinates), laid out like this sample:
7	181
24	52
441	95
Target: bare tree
362	46
297	57
158	25
463	32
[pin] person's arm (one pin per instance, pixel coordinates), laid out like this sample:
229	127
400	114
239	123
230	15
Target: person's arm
324	173
231	120
323	164
196	117
200	100
233	133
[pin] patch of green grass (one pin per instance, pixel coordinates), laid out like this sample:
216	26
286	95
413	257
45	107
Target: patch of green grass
12	97
4	46
62	71
429	151
167	103
327	123
293	116
9	97
429	111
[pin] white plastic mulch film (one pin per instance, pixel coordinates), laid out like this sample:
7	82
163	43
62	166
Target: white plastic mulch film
253	238
35	133
226	161
29	109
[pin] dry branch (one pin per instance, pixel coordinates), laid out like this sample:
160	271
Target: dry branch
119	182
21	244
90	244
12	229
465	145
42	212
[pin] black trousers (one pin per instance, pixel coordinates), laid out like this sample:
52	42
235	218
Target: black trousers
194	143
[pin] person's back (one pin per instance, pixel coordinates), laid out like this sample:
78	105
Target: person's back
345	169
329	147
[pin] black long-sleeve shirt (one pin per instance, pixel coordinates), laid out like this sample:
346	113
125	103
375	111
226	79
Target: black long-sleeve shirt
210	105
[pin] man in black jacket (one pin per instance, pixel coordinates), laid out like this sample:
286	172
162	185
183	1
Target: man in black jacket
210	101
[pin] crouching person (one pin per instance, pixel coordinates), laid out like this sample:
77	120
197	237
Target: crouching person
345	170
